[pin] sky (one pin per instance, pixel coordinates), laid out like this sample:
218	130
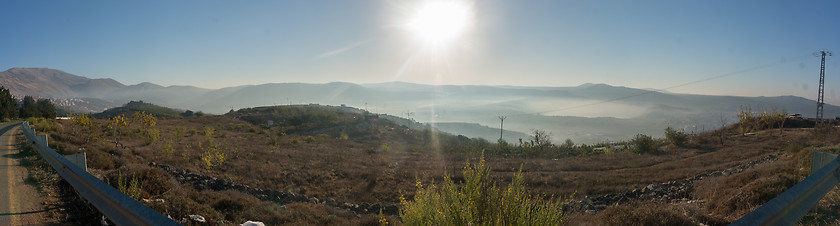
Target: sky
749	48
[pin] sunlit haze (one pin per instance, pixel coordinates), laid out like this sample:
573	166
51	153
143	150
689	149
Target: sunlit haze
437	22
763	47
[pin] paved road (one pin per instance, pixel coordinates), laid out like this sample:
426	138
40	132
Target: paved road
19	202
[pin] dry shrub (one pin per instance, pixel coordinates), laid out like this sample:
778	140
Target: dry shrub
825	213
827	133
309	139
307	214
154	181
700	139
239	207
741	193
651	213
98	159
376	220
183	201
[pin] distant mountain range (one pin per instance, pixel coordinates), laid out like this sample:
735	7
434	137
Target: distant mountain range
587	113
43	82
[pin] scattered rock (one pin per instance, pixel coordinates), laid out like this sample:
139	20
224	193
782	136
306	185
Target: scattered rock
252	223
204	182
197	218
663	192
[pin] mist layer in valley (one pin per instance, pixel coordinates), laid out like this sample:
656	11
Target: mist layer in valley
588	113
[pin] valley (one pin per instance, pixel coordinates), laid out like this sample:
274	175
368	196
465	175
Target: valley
420	112
338	165
589	113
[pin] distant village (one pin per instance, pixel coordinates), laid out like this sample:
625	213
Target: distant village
74	104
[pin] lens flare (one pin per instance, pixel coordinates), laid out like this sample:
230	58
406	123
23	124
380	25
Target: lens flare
438	22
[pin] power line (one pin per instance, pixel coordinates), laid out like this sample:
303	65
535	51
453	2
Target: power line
755	68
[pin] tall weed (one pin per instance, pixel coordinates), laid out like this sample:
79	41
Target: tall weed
478	201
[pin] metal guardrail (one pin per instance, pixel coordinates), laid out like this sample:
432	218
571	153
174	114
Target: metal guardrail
788	207
118	207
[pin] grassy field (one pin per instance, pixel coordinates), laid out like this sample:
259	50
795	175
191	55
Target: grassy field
334	153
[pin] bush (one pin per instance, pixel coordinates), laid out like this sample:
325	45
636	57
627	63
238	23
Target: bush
152	136
676	137
42	124
168	149
99	159
643	144
741	193
213	155
323	136
479	202
309	139
749	121
128	186
651	213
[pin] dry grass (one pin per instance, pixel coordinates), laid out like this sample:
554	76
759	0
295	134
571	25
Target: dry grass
735	196
378	160
647	213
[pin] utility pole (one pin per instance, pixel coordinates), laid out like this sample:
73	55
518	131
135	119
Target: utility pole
408	115
502	127
820	99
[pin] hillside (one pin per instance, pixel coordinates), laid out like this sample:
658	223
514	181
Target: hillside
139	106
478	131
315	159
589	113
49	83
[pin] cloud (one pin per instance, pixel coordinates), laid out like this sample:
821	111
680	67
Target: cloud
343	49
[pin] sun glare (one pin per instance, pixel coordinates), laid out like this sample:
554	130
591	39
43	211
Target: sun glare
438	22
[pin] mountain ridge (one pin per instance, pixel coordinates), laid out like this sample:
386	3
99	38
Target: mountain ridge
589	112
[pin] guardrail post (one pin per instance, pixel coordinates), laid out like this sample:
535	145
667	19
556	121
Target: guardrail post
820	159
78	159
43	138
118	207
795	202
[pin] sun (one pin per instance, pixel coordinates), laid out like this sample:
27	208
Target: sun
439	22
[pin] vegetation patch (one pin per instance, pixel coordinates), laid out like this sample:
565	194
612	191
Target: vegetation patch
478	201
378	158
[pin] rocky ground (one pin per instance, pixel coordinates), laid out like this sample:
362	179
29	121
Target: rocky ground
204	182
670	191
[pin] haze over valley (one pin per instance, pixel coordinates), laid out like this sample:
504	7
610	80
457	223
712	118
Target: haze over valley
390	112
588	113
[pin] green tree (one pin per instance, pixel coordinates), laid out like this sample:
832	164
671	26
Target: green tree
28	108
8	104
676	137
187	114
117	124
46	109
541	138
644	144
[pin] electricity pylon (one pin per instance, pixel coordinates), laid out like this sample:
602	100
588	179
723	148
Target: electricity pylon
502	128
820	99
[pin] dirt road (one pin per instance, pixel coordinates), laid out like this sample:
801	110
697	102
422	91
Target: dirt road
20	203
